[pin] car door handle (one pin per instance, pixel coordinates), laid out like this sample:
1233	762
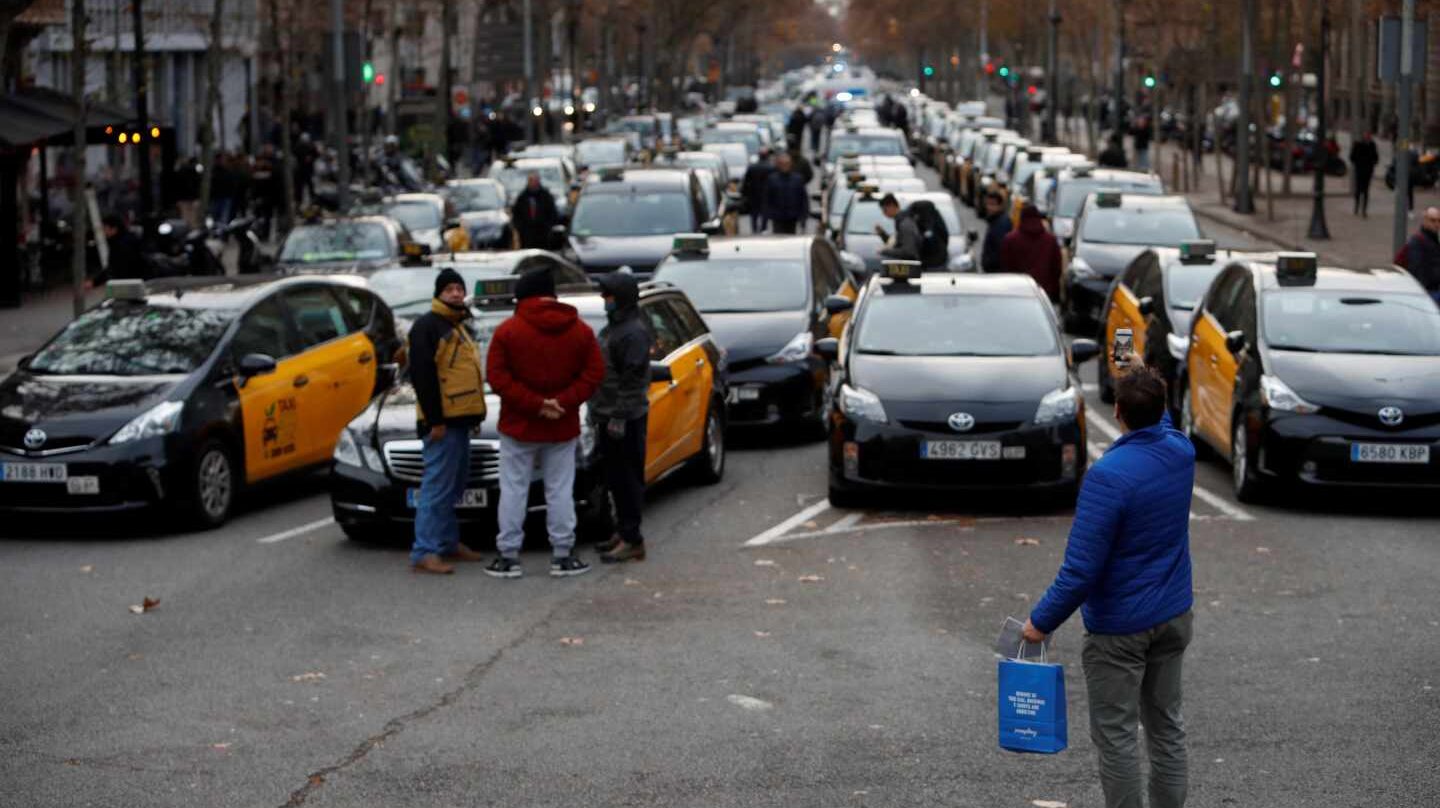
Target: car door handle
301	381
700	363
1214	360
366	357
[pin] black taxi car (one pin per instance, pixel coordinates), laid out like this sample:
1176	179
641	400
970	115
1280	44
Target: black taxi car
180	393
1315	375
769	300
628	217
378	464
954	382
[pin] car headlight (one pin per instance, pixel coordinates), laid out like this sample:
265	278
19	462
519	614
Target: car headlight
347	451
1081	270
1178	345
1277	395
797	350
161	419
861	404
1058	405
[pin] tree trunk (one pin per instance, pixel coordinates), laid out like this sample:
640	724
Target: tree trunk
213	55
77	157
287	164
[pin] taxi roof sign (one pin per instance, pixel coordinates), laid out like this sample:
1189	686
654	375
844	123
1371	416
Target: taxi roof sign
1296	268
494	292
1198	251
612	174
691	243
125	290
867	189
1108	197
1082	169
901	271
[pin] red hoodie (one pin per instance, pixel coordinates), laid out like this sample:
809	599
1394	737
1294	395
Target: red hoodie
1033	250
544	351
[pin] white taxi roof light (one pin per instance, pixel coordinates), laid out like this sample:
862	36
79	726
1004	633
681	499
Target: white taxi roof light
850	155
1198	251
692	243
125	290
494	291
867	190
1299	268
1108	197
1082	169
901	271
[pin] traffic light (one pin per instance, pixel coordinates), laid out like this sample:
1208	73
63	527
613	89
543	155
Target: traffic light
929	71
989	68
1275	80
1004	72
1149	81
1031	90
367	72
379	79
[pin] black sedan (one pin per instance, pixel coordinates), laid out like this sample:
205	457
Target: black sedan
355	245
950	382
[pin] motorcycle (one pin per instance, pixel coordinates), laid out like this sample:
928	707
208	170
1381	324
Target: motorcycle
1424	171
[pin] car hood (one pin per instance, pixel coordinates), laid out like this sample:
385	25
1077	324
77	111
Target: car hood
603	253
355	267
930	387
1360	383
1109	259
747	336
394	414
481	218
1180	320
75	410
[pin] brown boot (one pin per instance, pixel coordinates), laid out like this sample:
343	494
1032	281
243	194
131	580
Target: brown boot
432	565
624	552
463	553
608	545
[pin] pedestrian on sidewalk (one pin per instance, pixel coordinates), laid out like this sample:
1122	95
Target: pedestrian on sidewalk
1127	568
621	411
1032	250
1363	158
544	363
786	202
449	384
1113	155
997	227
1421	254
1140	137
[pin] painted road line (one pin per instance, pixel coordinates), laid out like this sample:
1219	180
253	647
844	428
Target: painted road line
297	531
1215	500
846	522
798	519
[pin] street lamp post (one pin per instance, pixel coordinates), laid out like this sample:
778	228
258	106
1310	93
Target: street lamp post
341	91
1318	228
142	115
1052	77
1244	202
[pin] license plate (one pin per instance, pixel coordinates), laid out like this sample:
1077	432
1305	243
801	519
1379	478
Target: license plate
738	394
960	450
83	485
33	472
472	498
1389	453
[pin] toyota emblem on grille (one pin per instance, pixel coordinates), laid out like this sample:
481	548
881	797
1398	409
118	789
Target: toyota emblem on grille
961	421
35	438
1391	416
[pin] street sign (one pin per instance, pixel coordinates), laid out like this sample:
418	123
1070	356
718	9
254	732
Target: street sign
499	51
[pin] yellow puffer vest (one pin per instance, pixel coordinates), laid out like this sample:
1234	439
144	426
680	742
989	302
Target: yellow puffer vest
457	362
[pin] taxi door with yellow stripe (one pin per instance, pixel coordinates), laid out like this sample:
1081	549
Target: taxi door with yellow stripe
1124	313
670	401
1212	366
832	278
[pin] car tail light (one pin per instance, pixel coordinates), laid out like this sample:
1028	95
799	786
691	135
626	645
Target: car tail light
852	458
1067	460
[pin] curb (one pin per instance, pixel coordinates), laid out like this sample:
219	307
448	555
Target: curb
1245	227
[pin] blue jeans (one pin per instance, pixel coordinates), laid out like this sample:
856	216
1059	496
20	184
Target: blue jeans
447	469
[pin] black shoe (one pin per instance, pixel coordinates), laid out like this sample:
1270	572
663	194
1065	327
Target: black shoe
567	567
503	567
608	545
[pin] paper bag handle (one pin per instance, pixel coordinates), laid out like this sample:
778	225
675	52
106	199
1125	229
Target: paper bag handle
1021	652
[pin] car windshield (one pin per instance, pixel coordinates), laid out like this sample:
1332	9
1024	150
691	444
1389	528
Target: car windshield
956	325
473	198
1161	228
344	241
719	286
1185	284
1333	321
632	214
1073	192
600	152
414	215
484	322
514	179
749	138
865	144
132	339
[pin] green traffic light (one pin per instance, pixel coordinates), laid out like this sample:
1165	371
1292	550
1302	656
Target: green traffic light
1275	80
929	70
1004	71
367	72
1149	82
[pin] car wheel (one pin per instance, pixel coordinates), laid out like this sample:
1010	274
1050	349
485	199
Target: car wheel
708	467
1187	422
1248	487
213	486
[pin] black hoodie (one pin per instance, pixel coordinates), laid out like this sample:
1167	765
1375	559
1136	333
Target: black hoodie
625	342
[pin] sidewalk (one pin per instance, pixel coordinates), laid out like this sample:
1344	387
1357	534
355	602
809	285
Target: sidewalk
40	315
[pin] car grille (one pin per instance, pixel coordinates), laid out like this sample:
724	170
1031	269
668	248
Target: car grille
980	428
1371	419
406	461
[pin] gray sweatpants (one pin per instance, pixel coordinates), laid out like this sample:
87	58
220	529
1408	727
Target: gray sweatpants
1135	678
556	462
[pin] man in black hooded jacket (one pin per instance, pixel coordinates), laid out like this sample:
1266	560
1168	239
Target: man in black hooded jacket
621	411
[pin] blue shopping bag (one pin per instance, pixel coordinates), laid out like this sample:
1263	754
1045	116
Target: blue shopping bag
1032	707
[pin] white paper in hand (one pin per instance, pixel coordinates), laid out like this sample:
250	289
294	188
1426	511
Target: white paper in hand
1011	643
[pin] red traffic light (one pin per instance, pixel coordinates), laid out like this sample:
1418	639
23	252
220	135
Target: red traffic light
379	79
1032	89
989	68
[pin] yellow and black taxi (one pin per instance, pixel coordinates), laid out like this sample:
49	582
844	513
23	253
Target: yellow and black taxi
356	245
1113	229
954	382
629	217
409	293
181	393
1155	298
378	464
768	301
1317	376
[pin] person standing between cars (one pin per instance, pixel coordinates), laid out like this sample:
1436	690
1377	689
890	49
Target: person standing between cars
786	202
534	215
1421	254
449	384
1127	568
621	413
544	363
997	227
1364	156
906	243
1140	137
1033	251
1113	155
752	188
795	129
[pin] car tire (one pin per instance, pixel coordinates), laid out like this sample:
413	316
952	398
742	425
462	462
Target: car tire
1187	423
214	485
362	534
708	467
1249	488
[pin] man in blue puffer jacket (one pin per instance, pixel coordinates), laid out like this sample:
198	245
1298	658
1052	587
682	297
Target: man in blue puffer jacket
1127	568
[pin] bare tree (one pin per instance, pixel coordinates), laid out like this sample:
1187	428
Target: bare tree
213	56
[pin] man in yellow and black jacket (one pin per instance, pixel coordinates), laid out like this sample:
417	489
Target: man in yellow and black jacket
446	372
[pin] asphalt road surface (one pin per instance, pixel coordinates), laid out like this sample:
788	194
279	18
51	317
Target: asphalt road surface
772	651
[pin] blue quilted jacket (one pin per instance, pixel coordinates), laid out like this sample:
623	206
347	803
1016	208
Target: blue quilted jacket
1127	562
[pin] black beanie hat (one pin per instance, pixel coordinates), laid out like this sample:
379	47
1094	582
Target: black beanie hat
446	277
535	283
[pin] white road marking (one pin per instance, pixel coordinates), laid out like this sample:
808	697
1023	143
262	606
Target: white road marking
846	522
297	531
798	519
1215	500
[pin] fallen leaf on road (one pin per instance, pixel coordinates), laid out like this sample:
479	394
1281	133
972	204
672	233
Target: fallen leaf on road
764	562
1027	541
852	568
775	602
1313	659
986	600
134	657
317	779
1214	603
1265	550
1022	595
572	640
312	676
220	746
88	568
749	703
631	582
147	605
762	634
658	595
811	525
810	579
1048	804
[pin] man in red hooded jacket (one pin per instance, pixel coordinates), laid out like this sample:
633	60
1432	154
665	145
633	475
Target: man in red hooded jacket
1032	250
544	362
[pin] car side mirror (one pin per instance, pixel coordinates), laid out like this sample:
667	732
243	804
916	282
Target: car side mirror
817	214
828	348
1083	350
660	372
1235	341
838	304
387	374
255	364
711	228
1146	306
24	363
